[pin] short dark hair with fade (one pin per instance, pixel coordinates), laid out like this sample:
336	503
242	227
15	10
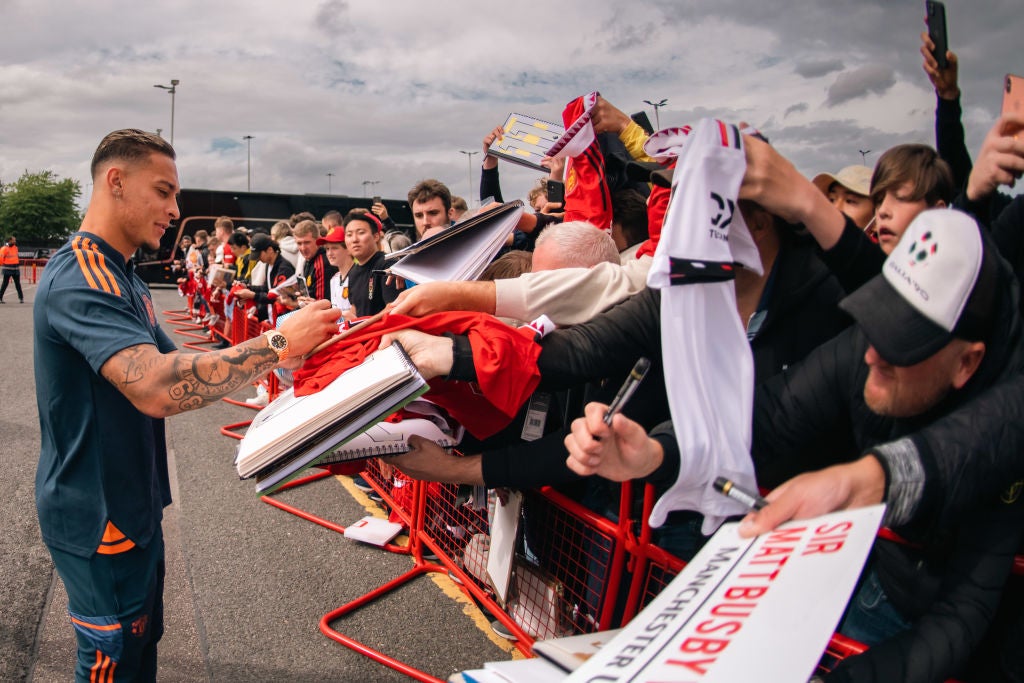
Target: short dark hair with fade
129	144
425	190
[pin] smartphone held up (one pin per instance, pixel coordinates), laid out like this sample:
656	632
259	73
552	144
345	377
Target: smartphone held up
935	17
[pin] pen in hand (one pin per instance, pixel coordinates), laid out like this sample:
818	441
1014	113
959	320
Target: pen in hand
727	488
628	388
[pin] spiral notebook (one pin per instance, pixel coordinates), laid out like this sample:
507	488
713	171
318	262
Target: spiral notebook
391	438
294	432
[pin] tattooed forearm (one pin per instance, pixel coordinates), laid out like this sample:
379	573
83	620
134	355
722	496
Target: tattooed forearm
161	384
203	378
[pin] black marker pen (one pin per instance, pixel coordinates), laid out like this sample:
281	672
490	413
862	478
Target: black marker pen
628	387
727	488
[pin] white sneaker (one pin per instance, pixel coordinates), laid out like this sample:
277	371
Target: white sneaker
261	398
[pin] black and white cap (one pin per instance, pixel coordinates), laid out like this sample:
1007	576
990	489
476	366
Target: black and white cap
938	283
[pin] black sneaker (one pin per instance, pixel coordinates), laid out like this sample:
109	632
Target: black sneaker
361	484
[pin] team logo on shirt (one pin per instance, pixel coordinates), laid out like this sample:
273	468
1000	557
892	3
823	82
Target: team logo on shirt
721	216
149	310
571	179
922	248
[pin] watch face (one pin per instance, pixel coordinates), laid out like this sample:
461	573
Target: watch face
278	341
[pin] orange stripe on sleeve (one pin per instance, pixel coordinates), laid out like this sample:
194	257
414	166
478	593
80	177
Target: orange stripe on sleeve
76	246
99	264
97	273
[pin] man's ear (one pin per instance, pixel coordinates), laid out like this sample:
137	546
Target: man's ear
114	178
970	358
451	215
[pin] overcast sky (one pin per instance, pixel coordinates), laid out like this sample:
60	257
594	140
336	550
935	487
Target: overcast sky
392	90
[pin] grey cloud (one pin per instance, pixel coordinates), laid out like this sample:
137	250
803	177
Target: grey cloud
796	109
332	18
832	144
818	68
624	36
873	78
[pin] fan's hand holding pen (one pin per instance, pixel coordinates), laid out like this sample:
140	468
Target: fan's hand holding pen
618	452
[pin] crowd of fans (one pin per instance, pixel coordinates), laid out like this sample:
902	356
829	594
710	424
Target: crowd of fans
867	389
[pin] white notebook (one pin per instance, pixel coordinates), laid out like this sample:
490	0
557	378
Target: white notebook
389	438
292	433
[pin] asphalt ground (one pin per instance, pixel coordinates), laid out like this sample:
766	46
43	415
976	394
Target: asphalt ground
246	583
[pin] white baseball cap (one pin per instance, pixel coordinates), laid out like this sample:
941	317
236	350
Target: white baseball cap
938	283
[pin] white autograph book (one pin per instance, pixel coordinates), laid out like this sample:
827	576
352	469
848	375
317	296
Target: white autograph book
293	433
760	609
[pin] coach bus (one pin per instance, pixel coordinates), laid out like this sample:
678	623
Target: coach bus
254	210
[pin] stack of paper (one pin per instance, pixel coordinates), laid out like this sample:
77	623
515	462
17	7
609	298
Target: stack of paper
293	433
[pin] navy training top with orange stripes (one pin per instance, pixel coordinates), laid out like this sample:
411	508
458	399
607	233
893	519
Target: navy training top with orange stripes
102	480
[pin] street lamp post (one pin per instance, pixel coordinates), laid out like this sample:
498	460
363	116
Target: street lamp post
329	176
248	162
469	159
657	105
370	183
172	88
864	156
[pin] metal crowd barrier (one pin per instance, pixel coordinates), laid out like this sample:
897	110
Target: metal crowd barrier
584	572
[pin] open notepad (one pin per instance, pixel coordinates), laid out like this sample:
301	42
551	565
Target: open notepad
459	252
294	432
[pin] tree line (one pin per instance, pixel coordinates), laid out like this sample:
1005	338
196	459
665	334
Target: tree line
39	208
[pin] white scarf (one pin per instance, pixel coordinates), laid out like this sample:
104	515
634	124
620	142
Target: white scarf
709	368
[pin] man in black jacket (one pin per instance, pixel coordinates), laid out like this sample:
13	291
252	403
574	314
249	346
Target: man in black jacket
268	251
937	328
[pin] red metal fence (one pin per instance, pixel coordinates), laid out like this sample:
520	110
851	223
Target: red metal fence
579	571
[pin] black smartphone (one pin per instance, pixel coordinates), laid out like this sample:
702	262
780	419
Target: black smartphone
936	18
376	200
555	191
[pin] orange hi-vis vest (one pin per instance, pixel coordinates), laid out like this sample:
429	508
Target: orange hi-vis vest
9	256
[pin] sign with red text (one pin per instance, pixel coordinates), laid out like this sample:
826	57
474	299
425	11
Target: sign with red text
745	609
